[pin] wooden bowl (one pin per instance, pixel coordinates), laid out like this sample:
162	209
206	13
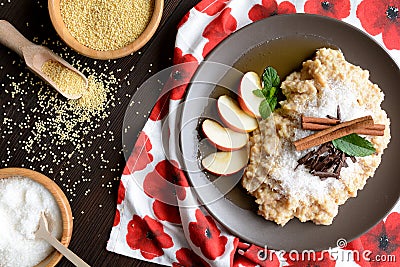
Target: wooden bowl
62	203
63	32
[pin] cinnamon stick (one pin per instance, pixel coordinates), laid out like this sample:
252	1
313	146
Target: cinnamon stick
371	132
327	121
314	126
333	133
378	128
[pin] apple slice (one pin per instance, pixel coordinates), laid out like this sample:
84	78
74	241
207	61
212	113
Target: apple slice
226	163
233	116
224	138
248	101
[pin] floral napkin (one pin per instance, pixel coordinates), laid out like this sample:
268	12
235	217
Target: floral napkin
182	233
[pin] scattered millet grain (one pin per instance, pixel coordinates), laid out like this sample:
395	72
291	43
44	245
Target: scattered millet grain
53	132
92	100
44	132
68	81
106	25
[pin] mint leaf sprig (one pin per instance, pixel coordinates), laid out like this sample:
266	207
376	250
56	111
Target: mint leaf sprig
354	145
271	85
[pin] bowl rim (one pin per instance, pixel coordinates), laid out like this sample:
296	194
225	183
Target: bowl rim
336	33
144	37
65	209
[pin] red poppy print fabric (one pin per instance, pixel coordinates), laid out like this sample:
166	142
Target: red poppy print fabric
182	71
205	234
338	9
162	185
117	218
160	109
218	30
163	181
183	20
270	8
158	217
383	241
318	260
381	17
187	258
354	248
166	212
140	155
121	193
148	236
259	256
211	7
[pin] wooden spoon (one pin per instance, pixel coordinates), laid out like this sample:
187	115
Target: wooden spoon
43	233
34	55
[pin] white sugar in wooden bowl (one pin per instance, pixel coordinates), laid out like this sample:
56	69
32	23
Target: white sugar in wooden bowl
24	194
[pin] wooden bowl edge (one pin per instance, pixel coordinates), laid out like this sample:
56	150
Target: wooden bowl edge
145	36
61	200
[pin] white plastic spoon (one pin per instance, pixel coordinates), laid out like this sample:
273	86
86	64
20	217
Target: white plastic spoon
43	233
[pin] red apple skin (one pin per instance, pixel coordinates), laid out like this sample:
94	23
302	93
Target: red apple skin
243	105
241	101
224	174
222	148
232	126
237	107
226	149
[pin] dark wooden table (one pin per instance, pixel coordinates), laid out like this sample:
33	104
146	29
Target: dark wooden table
93	210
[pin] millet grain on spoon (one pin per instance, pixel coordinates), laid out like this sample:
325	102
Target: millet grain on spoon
35	56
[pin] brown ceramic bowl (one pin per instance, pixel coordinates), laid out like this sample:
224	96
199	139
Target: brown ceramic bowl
62	203
63	32
284	42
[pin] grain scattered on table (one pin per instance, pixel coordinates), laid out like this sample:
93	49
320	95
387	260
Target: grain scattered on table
58	132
